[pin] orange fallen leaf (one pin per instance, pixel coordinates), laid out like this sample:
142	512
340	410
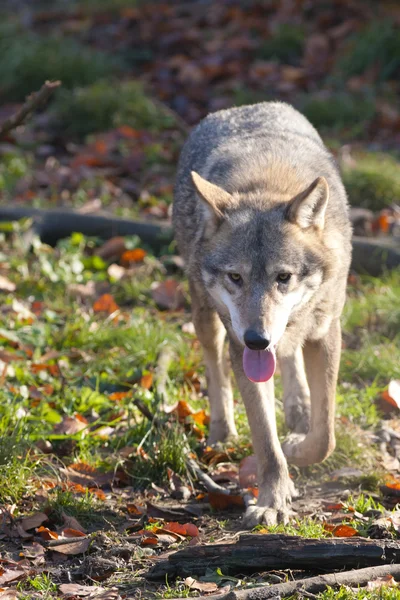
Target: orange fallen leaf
47	534
334	506
135	509
69	532
120	395
98	493
100	146
219	501
344	531
146	381
126	130
392	394
105	303
201	417
132	256
184	410
182	529
149	541
52	369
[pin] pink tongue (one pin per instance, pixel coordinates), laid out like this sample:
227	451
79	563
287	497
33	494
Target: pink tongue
259	365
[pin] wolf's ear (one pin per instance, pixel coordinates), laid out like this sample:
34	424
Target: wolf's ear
215	197
308	208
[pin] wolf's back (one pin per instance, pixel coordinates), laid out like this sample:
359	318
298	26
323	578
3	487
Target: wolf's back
235	149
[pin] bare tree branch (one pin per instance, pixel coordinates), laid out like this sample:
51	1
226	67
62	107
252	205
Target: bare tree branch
30	105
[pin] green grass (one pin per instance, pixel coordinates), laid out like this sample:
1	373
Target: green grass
28	60
374	181
342	113
344	593
42	584
307	528
106	104
373	307
86	508
378	44
285	45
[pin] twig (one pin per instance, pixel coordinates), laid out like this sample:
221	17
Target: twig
64	541
146	412
183	127
313	584
206	480
30	105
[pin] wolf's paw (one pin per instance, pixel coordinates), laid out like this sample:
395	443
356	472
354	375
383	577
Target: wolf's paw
297	414
303	450
274	504
261	515
221	431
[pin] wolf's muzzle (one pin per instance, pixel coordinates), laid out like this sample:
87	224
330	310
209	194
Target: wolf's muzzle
255	341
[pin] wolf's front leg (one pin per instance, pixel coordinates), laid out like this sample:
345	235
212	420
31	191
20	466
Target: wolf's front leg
275	487
211	334
296	393
321	358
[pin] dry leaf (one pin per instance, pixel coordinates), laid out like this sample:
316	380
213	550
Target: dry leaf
8	595
116	272
6	285
201	586
73	548
12	575
385	581
33	521
75	589
168	294
71	425
34	550
112	248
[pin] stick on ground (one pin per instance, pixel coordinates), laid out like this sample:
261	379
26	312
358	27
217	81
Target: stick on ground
314	584
29	106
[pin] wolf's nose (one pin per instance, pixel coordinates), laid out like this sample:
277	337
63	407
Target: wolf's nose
255	341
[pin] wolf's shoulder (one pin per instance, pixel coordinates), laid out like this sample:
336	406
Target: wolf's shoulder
264	116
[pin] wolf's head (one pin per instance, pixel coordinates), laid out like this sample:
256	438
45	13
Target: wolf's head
264	262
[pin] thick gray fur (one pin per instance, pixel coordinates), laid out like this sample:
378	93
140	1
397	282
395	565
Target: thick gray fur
265	156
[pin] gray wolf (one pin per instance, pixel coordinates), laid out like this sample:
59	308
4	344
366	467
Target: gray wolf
261	219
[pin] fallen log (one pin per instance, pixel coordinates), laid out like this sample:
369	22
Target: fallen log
311	585
373	256
370	256
257	552
53	225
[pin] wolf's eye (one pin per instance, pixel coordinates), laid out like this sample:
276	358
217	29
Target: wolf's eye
235	277
283	277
